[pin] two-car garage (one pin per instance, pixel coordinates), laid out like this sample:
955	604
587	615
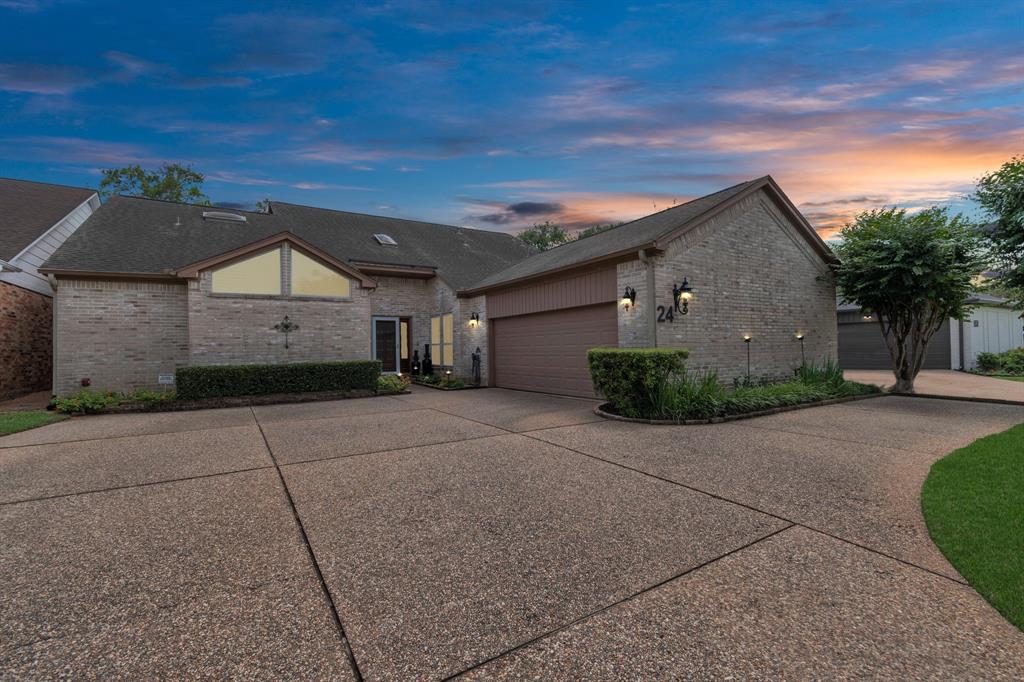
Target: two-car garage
540	334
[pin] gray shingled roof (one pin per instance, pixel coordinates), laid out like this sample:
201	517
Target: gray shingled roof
133	235
632	235
28	209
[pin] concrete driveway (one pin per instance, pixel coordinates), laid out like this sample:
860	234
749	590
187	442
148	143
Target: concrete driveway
489	534
946	382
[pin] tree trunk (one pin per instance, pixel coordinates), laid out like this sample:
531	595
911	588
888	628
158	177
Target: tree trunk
904	384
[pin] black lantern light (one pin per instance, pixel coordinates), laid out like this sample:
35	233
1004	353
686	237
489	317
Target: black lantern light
681	296
747	338
800	337
474	319
629	297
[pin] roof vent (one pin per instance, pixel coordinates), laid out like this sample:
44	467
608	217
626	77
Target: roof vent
223	215
385	240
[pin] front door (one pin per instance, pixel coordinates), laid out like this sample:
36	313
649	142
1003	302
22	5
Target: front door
385	343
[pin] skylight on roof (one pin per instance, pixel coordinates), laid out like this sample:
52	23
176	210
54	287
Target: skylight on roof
385	240
223	215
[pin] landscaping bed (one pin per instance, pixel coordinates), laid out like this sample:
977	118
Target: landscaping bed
973	504
603	411
207	387
652	385
1006	365
442	383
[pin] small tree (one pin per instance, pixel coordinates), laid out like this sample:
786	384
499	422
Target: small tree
1001	195
545	235
913	272
595	229
263	205
170	182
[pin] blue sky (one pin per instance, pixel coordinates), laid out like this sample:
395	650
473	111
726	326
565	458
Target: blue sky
498	115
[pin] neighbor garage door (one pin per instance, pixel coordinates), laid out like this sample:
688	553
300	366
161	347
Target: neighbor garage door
547	351
861	346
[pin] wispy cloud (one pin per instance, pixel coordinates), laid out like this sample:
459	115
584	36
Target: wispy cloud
43	79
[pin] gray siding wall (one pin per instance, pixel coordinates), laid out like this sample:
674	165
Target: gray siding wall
39	251
752	273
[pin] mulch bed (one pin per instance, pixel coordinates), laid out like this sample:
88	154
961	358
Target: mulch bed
603	411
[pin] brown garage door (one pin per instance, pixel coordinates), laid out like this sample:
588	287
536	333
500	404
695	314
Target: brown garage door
547	352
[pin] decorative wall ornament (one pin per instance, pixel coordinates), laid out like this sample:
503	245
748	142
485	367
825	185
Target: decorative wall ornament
286	327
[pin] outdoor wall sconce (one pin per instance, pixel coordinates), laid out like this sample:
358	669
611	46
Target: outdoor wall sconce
681	296
800	337
474	319
628	297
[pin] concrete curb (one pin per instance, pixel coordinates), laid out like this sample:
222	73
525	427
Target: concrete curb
732	417
969	399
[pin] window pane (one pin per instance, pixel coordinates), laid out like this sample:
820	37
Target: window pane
449	355
405	340
435	330
257	275
435	353
448	332
310	278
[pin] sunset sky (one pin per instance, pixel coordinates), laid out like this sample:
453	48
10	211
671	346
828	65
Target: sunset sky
499	115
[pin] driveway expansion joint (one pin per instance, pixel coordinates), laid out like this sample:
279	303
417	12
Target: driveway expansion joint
130	486
325	590
628	598
752	508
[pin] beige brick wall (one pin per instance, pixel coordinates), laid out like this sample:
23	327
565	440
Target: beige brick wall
227	329
470	337
752	274
120	334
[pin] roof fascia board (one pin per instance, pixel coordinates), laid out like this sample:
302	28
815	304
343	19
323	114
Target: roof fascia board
99	274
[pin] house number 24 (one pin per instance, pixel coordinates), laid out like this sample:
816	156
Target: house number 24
665	314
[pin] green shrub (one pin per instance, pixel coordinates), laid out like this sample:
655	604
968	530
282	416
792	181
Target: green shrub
86	402
626	377
988	362
828	373
151	397
214	381
686	395
1007	362
392	383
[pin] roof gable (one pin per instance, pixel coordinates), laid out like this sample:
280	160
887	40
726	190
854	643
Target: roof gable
651	232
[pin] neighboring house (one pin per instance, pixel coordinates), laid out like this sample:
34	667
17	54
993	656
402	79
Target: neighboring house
35	219
993	326
148	286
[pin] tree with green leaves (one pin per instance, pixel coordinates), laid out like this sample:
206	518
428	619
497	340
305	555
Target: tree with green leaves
263	205
170	182
1001	195
544	236
913	272
595	229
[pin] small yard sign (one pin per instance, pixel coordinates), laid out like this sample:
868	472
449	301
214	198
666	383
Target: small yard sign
165	379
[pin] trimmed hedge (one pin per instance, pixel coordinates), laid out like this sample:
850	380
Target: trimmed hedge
217	381
626	376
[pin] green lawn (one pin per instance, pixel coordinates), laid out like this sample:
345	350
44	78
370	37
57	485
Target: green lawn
12	422
973	502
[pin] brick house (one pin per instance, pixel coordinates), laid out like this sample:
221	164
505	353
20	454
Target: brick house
35	219
148	286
